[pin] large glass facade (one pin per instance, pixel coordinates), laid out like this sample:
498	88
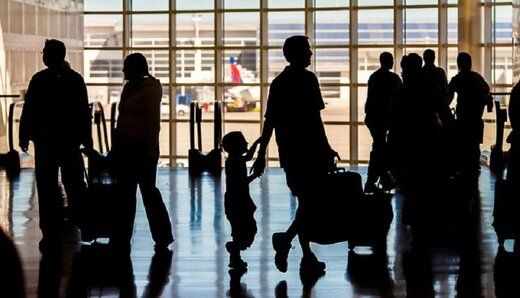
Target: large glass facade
230	51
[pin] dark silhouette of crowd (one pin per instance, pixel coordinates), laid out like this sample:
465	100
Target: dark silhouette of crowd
419	143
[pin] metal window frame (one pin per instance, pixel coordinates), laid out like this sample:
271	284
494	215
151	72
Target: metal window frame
309	9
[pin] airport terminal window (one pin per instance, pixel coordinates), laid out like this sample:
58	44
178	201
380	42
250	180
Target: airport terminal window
199	62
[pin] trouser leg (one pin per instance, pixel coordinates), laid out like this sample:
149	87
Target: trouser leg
376	166
127	186
156	211
46	170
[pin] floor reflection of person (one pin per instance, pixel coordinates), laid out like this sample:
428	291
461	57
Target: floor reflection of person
136	153
293	113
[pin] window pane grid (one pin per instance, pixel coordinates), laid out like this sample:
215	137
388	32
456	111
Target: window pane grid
205	55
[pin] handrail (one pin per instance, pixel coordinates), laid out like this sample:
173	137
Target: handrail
10	123
97	109
113	113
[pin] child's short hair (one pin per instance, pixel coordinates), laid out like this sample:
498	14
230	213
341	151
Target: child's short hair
231	139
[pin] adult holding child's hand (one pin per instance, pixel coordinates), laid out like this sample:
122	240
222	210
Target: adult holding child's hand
293	112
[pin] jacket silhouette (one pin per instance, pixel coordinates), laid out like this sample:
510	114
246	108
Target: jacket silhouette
136	154
56	118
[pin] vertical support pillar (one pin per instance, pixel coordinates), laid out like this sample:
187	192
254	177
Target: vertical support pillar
264	63
309	28
127	27
487	66
353	71
172	86
219	54
399	40
469	33
442	56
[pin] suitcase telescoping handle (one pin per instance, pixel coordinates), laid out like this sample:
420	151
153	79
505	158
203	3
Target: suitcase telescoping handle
192	125
338	170
199	126
113	115
10	125
218	125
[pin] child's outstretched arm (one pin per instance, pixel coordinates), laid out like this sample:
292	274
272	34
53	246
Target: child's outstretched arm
252	150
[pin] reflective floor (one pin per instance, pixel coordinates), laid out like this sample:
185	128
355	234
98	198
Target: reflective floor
198	266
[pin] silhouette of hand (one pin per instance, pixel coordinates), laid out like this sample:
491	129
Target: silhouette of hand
258	167
335	155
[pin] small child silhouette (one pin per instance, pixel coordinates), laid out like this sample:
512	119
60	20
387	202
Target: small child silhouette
239	206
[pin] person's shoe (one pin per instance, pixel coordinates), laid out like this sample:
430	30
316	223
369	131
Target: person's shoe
311	264
281	245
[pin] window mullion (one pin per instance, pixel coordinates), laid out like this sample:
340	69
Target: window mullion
353	71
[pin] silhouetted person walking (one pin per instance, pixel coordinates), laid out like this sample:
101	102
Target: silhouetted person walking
136	152
238	204
473	96
293	112
382	86
435	74
56	118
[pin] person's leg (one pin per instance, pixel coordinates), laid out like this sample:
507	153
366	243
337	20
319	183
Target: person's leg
376	163
72	176
236	245
126	197
156	211
282	240
309	261
46	171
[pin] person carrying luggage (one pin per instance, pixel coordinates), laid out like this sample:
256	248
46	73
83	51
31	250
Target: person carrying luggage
56	118
293	112
382	86
136	153
238	204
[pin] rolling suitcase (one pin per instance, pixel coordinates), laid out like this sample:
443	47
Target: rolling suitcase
99	208
197	159
10	161
345	213
505	212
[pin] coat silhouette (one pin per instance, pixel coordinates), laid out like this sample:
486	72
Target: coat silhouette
56	118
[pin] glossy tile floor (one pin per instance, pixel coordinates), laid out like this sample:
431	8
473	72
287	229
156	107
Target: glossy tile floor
198	267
